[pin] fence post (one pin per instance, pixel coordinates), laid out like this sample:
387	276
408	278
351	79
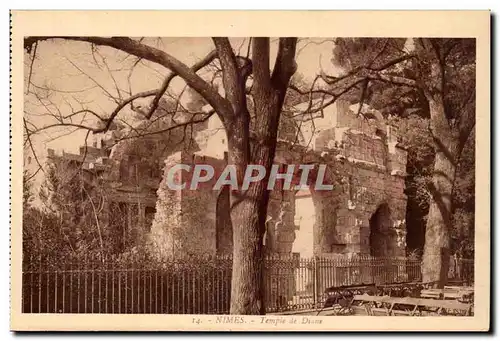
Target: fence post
316	278
348	266
333	264
371	266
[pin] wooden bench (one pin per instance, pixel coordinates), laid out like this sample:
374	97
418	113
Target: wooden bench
465	291
394	306
432	293
457	293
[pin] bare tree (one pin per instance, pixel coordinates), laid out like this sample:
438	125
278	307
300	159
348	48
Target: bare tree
269	90
250	108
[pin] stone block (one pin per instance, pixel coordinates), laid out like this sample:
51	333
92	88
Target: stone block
286	236
353	248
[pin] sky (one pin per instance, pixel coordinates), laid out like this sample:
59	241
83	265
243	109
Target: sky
80	77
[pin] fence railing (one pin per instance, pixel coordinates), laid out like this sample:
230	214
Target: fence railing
199	285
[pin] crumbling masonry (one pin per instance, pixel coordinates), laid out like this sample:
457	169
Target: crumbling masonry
363	214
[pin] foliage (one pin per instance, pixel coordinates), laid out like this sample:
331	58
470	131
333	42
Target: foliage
464	201
76	219
352	53
69	222
382	72
27	191
408	108
40	234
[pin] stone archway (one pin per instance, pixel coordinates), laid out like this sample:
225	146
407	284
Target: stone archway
380	225
315	220
305	221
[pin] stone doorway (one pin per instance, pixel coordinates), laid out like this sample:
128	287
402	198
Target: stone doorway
304	220
380	224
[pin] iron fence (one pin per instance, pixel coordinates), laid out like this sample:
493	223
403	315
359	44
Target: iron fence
197	285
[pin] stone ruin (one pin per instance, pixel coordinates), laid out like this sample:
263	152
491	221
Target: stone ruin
364	213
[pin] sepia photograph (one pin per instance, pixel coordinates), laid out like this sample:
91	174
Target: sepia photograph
260	180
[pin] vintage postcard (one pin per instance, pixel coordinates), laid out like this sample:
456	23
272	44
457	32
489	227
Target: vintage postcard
261	171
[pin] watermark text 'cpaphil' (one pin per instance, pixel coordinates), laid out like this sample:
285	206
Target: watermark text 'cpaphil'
286	177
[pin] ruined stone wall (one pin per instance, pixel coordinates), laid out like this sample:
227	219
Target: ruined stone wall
365	165
367	190
280	222
167	238
367	168
186	220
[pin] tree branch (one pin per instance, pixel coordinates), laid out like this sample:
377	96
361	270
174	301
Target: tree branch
374	73
393	62
125	44
122	105
206	116
231	77
93	113
106	121
386	42
115	99
260	60
364	88
33	151
238	125
197	66
396	80
31	68
323	105
285	65
467	120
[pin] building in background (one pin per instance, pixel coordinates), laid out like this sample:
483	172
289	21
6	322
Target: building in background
363	214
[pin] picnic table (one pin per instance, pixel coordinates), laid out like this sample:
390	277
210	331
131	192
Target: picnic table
342	300
339	298
408	306
462	294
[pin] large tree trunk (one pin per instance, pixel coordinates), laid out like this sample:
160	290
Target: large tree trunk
249	208
247	287
248	214
437	235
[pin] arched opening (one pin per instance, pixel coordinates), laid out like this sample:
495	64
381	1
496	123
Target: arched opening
315	217
304	220
380	223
